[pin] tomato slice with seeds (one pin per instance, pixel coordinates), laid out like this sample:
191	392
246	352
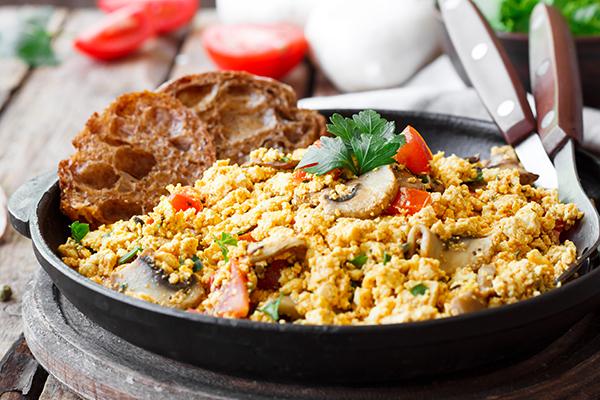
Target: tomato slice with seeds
117	34
415	154
409	200
234	300
183	201
166	15
263	49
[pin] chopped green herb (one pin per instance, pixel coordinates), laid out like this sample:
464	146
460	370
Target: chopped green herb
225	240
478	178
79	230
386	258
272	308
5	293
359	260
197	263
361	143
125	258
285	159
418	290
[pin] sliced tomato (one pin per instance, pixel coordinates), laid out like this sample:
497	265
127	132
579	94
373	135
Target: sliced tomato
409	200
263	49
167	15
234	300
184	201
415	154
116	35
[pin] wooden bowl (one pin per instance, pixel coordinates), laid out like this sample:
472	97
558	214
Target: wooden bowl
517	47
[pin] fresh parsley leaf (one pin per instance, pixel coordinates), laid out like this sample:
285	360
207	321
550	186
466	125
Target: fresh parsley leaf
372	151
272	308
79	230
225	240
386	258
361	144
418	290
331	154
197	263
478	178
125	258
359	260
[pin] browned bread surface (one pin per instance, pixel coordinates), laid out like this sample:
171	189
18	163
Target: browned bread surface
244	112
126	156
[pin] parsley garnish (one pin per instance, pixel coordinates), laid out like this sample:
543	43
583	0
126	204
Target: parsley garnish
272	308
79	230
386	258
361	144
359	260
129	256
225	240
478	177
197	263
418	290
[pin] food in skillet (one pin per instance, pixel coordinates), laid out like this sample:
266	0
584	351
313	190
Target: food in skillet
365	226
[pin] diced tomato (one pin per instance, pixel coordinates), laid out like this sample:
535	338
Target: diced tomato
183	201
300	176
409	200
167	15
263	49
270	279
415	154
247	237
117	34
234	300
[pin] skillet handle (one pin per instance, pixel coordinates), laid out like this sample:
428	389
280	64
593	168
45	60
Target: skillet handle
22	203
555	78
489	69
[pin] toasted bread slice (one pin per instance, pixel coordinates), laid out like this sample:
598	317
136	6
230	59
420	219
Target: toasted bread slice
244	112
126	156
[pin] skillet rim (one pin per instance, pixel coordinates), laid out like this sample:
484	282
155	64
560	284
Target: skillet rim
43	250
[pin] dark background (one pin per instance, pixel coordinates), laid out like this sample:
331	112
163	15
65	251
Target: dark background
77	3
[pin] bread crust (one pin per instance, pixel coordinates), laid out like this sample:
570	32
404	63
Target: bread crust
244	112
128	154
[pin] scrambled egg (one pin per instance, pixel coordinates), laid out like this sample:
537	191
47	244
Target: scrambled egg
348	270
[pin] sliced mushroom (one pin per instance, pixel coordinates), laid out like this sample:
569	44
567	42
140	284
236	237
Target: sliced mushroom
288	308
279	164
275	246
408	180
369	195
141	278
505	162
466	303
453	254
485	277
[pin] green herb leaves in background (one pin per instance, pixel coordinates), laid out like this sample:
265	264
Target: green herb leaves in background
29	40
225	240
361	143
583	16
79	230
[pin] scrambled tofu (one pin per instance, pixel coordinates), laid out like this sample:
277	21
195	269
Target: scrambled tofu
258	242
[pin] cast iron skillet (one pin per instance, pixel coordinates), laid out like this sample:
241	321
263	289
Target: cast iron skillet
349	355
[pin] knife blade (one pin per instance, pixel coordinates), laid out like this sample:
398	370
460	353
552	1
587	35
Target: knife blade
497	84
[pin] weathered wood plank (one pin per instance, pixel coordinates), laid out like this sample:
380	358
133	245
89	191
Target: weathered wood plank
13	70
38	124
54	390
192	59
18	369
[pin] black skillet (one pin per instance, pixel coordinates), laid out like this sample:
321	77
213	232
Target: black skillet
349	355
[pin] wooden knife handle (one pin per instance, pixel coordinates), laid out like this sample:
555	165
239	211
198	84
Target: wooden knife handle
554	78
489	69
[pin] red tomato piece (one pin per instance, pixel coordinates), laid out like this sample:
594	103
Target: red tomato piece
234	300
409	200
270	279
263	49
167	15
247	237
182	202
415	154
300	176
117	34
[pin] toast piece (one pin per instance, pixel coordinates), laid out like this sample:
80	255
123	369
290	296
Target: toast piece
244	112
126	156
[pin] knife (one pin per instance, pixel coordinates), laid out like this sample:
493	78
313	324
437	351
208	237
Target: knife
498	85
556	87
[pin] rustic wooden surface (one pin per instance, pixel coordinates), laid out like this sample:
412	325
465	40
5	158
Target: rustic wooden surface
41	109
109	367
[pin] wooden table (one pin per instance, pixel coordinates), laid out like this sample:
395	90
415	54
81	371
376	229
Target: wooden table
41	110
